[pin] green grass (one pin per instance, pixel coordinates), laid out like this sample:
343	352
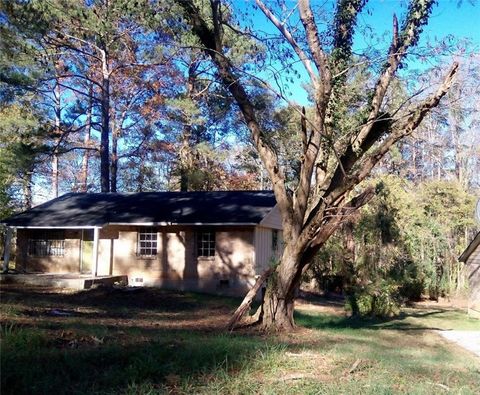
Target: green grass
155	343
409	319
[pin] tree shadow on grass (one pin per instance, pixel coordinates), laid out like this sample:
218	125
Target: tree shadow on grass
109	340
110	368
115	300
321	321
139	298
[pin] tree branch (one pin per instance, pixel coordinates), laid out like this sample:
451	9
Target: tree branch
416	18
211	42
399	130
291	40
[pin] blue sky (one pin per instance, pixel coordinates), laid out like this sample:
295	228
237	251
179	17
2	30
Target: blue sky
457	19
449	17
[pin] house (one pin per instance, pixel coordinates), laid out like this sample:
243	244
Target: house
200	241
471	258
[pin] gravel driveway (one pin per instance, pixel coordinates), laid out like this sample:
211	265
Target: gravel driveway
469	340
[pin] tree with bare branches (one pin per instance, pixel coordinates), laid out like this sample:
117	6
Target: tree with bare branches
334	158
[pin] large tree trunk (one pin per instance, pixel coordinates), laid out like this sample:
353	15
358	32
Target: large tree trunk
105	132
114	165
86	144
278	311
55	155
185	159
27	189
114	162
55	173
185	154
278	304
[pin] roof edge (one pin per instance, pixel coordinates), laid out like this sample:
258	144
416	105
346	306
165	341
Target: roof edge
471	247
182	224
55	227
6	221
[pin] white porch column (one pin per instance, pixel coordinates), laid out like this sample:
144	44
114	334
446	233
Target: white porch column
6	254
96	234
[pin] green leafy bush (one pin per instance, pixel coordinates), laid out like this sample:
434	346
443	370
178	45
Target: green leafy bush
407	240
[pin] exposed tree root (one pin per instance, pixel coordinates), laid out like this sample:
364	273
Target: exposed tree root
247	301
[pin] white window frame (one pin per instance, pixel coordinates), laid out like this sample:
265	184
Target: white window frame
147	243
206	244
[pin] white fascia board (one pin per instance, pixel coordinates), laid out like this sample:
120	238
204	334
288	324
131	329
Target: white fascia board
183	224
56	227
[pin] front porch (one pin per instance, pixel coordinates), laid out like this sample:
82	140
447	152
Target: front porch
61	280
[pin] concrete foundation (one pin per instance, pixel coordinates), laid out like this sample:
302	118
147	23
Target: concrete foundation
72	281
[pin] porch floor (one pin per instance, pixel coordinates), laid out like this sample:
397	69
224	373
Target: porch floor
60	280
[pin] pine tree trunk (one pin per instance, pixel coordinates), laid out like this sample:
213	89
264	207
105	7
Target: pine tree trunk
183	180
27	189
86	144
141	174
58	114
114	160
55	174
105	131
185	159
185	154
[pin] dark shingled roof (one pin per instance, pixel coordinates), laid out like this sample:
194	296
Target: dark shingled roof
98	209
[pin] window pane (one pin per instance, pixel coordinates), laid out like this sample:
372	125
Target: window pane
205	244
147	242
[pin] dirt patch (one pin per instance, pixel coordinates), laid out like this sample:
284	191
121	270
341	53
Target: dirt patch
144	310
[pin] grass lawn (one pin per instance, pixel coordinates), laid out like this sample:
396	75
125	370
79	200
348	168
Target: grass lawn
152	341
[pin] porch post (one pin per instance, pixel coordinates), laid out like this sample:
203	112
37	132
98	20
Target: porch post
6	253
96	232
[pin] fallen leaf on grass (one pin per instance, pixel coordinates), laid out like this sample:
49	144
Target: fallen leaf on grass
96	340
172	379
443	386
355	366
295	376
305	354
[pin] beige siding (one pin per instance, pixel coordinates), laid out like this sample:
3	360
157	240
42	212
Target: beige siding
473	267
234	258
273	219
264	253
176	265
231	271
127	262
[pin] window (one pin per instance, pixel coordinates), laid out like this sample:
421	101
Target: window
47	243
274	239
206	244
147	242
